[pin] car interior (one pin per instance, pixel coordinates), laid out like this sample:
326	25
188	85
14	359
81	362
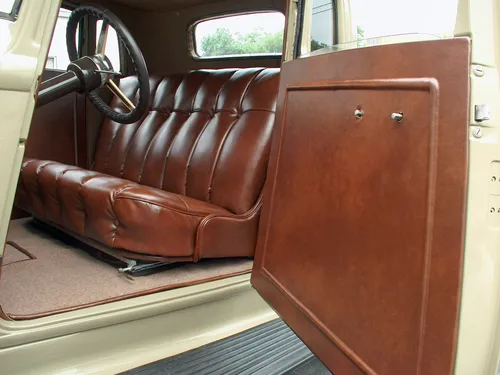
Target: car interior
198	169
153	181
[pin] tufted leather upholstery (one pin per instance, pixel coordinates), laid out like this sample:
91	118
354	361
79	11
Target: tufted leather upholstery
185	182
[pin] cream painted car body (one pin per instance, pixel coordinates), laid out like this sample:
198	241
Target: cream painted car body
121	335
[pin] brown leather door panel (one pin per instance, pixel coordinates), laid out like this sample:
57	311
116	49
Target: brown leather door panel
361	238
53	126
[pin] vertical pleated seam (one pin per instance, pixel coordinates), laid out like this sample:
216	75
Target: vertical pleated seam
219	151
203	130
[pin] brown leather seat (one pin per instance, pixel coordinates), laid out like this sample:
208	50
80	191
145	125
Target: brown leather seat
184	183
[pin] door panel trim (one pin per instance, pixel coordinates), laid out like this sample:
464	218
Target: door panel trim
394	67
422	84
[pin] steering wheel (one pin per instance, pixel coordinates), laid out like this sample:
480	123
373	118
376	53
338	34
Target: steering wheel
89	73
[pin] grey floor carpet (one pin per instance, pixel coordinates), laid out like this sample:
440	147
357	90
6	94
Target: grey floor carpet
55	277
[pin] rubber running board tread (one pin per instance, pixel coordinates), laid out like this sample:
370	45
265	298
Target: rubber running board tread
269	349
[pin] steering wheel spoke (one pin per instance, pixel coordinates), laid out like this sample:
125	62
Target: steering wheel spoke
120	95
103	38
103	70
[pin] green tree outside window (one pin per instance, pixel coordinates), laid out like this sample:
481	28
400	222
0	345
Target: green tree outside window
223	42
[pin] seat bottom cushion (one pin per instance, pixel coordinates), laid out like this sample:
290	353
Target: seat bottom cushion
112	211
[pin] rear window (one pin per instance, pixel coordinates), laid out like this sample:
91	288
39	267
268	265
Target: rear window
240	35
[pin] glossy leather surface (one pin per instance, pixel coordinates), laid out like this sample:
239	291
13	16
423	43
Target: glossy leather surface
53	127
185	181
361	240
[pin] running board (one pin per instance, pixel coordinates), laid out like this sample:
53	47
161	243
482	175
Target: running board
269	349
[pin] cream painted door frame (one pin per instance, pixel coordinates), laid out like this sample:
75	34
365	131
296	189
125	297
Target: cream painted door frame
22	60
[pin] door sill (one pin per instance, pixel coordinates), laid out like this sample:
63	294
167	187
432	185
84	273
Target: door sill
14	333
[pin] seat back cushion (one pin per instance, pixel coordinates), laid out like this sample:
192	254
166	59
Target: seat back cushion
207	136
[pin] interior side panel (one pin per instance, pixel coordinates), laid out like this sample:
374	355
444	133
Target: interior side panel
52	133
361	240
57	133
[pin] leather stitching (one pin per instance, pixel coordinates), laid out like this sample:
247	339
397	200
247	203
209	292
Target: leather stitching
174	91
258	110
193	149
216	160
256	74
198	91
158	128
183	201
249	215
147	201
129	146
58	198
219	151
38	193
82	201
215	111
177	92
220	91
168	153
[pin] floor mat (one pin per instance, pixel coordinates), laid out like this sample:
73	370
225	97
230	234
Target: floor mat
14	253
62	277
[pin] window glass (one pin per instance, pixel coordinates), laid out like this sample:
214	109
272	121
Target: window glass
369	22
8	14
244	34
112	46
317	26
7	6
374	19
58	53
321	24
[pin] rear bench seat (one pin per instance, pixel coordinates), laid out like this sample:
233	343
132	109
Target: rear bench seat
182	184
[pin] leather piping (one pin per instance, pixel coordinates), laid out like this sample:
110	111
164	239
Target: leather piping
21	249
246	216
122	297
188	213
3	315
216	160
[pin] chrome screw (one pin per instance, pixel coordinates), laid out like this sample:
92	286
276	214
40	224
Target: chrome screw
358	113
397	116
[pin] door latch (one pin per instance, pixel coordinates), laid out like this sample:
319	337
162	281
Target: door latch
482	112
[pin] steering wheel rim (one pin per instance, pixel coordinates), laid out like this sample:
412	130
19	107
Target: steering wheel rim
133	51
